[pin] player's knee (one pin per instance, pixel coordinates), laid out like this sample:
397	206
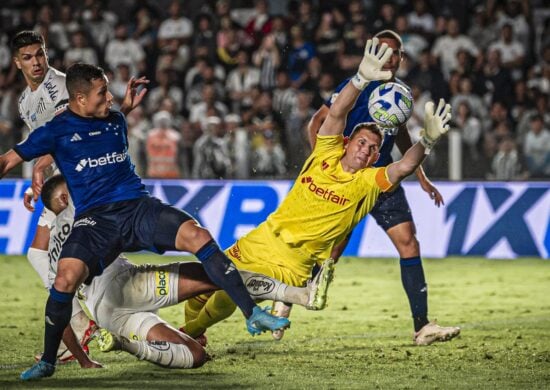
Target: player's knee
66	282
192	237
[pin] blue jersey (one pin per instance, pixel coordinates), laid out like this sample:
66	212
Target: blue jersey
360	114
92	155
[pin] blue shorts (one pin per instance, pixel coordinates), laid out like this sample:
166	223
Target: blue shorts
100	234
391	209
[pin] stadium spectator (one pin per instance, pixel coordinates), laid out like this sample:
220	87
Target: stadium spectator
470	129
284	95
512	53
536	148
166	88
205	36
162	147
466	94
428	77
301	52
240	82
123	49
328	40
352	50
268	59
483	31
120	80
420	20
211	153
259	24
268	158
99	23
446	47
307	19
79	51
413	43
493	80
176	26
506	164
209	104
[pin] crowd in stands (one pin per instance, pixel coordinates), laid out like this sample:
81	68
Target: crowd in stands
234	83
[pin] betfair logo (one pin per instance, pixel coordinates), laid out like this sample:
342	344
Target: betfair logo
109	158
162	286
324	193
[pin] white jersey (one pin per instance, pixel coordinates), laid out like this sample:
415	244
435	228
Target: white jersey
50	98
59	232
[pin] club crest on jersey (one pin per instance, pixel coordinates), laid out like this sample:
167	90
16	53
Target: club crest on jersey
324	193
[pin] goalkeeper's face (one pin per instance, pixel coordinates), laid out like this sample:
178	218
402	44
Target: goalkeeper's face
362	150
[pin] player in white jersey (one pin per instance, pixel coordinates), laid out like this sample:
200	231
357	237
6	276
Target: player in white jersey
45	96
125	298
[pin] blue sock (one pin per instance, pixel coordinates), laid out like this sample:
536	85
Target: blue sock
221	270
59	308
412	276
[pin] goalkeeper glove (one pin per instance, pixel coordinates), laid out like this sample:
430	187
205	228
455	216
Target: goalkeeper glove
435	123
370	67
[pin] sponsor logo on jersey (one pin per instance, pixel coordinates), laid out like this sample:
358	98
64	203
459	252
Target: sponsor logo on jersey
109	158
51	88
235	252
324	193
161	283
85	222
56	242
76	138
258	285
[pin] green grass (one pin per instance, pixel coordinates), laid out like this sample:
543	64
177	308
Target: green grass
362	340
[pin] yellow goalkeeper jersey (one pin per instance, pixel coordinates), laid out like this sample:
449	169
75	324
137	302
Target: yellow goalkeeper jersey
325	202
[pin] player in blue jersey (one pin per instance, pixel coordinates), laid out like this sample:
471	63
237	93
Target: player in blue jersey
392	210
113	212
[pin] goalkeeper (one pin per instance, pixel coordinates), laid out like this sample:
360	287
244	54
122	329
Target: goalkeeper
336	188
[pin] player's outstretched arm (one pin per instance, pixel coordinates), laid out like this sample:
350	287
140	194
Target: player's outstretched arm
370	69
70	340
404	142
132	98
435	126
8	161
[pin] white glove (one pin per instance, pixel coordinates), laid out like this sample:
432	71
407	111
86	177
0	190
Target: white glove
370	67
435	123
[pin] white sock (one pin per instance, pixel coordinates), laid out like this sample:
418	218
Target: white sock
163	353
40	261
264	287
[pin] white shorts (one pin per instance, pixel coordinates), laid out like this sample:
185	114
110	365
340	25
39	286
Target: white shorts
47	218
128	302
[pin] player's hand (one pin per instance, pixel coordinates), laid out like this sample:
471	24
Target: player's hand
132	98
371	65
37	183
433	192
435	123
27	199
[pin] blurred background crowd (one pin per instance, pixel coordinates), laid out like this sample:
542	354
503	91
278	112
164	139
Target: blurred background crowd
235	82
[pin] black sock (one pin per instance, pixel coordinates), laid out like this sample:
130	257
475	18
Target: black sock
223	273
59	308
412	276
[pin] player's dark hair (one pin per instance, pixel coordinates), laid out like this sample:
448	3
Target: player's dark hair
48	189
25	38
390	34
80	76
370	126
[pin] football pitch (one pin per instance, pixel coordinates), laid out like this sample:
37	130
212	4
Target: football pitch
363	340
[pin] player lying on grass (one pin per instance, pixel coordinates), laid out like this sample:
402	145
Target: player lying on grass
114	212
125	299
336	188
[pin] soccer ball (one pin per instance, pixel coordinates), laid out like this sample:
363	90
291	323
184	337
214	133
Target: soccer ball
390	105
